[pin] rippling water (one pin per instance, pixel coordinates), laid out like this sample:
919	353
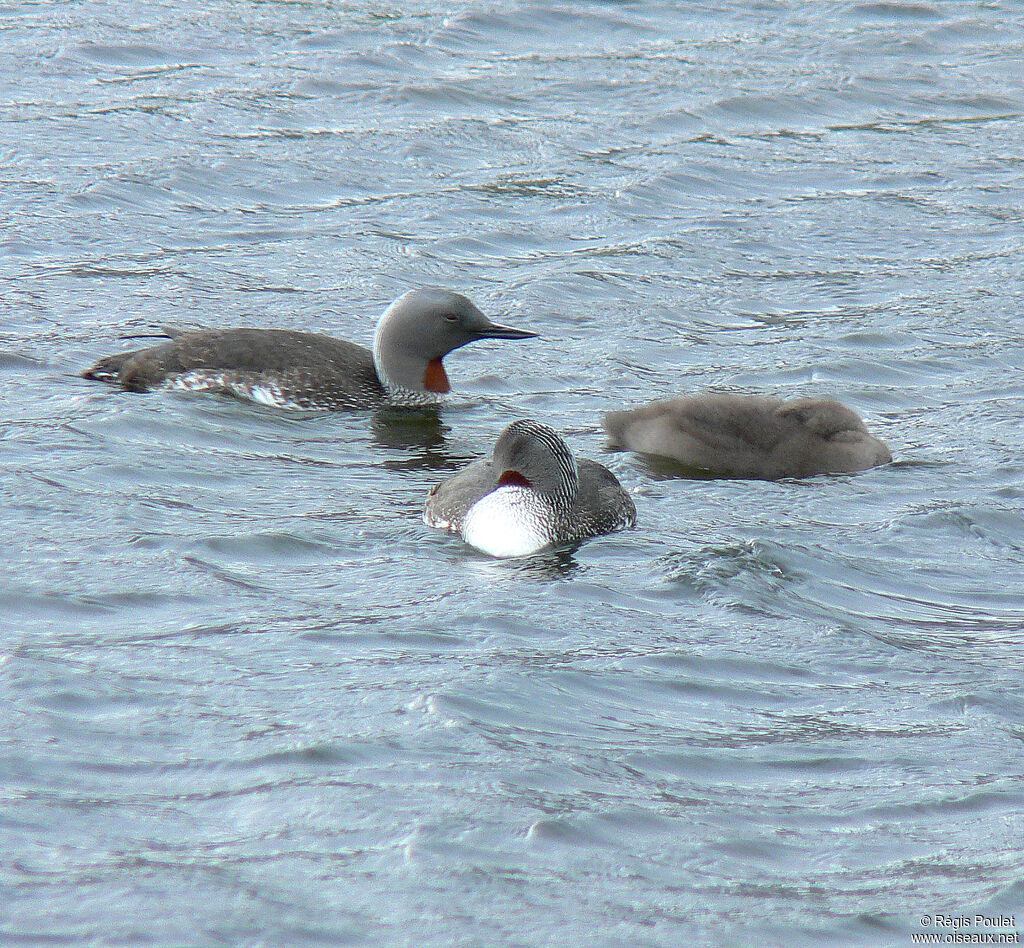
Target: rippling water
250	698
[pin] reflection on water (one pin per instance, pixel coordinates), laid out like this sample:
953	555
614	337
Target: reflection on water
664	468
420	433
551	564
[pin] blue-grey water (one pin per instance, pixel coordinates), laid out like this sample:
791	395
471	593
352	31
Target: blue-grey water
249	698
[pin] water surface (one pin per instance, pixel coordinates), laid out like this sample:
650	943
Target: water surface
251	699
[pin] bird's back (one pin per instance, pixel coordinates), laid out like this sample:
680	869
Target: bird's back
273	365
602	504
449	501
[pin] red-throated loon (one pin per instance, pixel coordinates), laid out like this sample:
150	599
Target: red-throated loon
532	494
308	370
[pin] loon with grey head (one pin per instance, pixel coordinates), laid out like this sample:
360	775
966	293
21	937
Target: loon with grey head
307	370
749	436
532	494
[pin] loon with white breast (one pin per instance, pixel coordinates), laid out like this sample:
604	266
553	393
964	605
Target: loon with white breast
532	494
746	436
308	370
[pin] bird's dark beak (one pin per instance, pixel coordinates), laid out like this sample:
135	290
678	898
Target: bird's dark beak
497	331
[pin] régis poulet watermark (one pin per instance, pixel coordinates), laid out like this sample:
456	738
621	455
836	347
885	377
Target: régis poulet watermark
950	929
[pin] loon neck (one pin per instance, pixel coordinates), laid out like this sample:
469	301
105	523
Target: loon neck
407	376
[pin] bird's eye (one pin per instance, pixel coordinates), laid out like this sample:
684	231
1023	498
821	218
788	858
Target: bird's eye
451	317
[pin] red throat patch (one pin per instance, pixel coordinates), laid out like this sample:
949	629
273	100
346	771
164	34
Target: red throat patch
513	479
435	379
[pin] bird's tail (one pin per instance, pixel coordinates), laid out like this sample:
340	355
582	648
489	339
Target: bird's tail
111	368
108	369
161	332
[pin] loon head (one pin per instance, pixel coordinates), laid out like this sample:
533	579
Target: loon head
418	330
530	455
